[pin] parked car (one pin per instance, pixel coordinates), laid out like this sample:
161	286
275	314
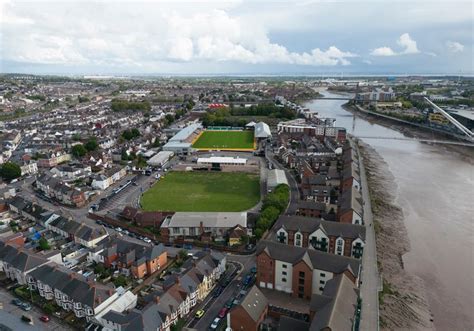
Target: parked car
229	303
223	312
44	318
147	240
247	279
199	313
218	292
26	306
17	302
253	270
27	319
119	229
215	323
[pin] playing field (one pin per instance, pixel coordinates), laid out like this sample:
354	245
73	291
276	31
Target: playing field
225	140
203	191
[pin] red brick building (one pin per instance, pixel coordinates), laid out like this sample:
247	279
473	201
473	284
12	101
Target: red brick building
250	313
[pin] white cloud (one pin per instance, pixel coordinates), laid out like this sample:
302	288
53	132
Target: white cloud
408	43
150	33
405	41
454	46
383	51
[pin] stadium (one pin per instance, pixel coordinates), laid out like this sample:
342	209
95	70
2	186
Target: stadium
195	138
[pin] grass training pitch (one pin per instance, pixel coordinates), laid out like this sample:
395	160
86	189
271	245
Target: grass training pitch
203	191
225	140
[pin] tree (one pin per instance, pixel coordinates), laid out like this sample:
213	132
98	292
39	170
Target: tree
120	281
10	170
43	244
78	150
258	233
91	144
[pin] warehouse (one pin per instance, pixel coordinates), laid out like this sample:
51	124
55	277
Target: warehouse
275	178
160	159
221	160
262	130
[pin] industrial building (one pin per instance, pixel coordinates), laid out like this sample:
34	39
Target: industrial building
160	159
275	178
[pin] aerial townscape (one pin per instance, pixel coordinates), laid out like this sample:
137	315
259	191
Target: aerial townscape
253	195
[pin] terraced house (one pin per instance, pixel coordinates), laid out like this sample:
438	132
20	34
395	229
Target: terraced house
315	233
179	295
122	255
73	292
300	271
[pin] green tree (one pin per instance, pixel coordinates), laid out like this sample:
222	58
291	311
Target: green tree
43	244
78	150
120	281
10	170
91	144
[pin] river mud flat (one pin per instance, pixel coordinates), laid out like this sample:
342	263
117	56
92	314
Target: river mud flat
403	301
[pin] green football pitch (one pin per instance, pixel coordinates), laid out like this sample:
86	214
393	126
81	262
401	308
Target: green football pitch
203	191
225	140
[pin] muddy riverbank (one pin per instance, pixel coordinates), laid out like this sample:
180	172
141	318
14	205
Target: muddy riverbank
431	189
403	301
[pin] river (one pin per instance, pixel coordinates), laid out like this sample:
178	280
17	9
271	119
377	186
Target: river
435	190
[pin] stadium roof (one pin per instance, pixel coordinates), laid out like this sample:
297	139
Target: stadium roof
208	219
262	130
222	159
184	133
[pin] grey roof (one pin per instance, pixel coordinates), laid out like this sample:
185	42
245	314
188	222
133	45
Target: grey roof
314	258
341	296
276	177
307	204
146	319
72	284
309	225
254	303
131	252
208	219
351	170
351	200
184	133
20	258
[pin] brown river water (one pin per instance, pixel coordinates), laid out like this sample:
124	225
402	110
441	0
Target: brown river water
435	189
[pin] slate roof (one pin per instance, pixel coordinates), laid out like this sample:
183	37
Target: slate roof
314	258
351	200
73	285
254	303
309	225
20	258
336	306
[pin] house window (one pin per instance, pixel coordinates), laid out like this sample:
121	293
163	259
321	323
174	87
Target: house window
321	288
340	247
322	274
176	230
320	245
301	281
281	237
301	274
322	282
284	266
300	289
298	240
283	273
357	250
283	280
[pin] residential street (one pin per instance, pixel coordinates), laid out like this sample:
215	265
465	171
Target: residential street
370	276
10	315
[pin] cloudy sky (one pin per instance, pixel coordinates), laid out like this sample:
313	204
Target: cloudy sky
237	37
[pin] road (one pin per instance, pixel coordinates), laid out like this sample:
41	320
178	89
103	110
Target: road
10	315
370	276
214	305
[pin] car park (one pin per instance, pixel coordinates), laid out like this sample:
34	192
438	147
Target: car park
199	313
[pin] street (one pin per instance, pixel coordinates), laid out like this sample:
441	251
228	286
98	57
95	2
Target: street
212	305
10	315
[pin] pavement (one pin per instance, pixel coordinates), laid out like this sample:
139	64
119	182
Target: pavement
213	305
10	315
370	279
